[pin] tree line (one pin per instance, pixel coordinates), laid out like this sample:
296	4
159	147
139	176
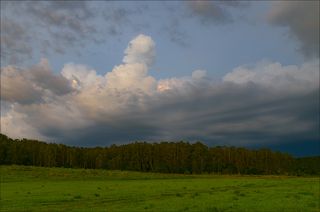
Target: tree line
165	157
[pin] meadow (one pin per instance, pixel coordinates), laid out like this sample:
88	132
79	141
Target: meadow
27	188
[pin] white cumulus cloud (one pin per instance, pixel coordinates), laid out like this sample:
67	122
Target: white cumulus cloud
252	103
140	50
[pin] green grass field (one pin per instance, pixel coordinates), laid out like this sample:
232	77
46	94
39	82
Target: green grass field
58	189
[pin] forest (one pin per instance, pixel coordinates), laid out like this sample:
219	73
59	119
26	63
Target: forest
164	157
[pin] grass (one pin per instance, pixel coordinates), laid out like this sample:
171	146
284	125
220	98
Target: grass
59	189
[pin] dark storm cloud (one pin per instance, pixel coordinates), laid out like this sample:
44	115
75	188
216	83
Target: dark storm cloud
236	115
225	115
103	134
302	18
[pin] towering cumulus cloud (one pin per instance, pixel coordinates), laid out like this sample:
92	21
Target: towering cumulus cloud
140	50
265	102
133	74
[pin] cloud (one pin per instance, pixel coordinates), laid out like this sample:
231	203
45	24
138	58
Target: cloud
15	41
125	77
209	11
119	18
32	85
140	50
254	104
302	18
276	76
15	87
199	74
42	75
214	11
62	27
44	27
15	124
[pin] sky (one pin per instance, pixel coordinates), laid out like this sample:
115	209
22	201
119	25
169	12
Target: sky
95	73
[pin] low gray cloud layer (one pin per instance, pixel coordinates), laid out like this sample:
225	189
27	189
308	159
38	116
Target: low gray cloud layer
302	18
260	104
